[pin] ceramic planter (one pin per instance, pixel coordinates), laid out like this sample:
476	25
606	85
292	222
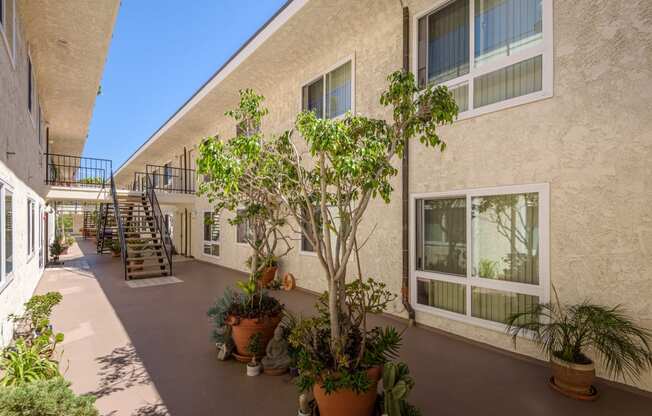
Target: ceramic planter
346	402
253	370
574	380
244	328
268	275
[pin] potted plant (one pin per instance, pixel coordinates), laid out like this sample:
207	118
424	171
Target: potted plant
56	249
254	348
70	240
326	184
268	268
566	333
115	248
237	184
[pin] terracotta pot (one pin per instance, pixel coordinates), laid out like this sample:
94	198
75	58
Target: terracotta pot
115	254
267	276
572	378
244	328
346	402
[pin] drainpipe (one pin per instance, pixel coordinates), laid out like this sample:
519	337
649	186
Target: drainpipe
405	181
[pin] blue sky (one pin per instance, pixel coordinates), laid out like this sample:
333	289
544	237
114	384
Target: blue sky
162	51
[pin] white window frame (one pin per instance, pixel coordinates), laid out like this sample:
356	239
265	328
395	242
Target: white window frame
11	49
41	227
6	278
542	290
240	243
31	225
545	48
217	242
322	76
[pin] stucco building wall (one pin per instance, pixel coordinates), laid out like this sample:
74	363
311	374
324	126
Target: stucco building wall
22	172
590	142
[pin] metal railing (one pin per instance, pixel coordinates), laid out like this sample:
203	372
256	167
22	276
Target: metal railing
166	178
159	220
118	220
75	171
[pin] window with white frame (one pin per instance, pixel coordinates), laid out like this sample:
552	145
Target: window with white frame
481	255
331	94
212	233
490	53
6	236
41	227
30	226
8	26
243	232
306	245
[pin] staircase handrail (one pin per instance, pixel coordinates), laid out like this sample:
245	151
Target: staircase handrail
118	220
157	214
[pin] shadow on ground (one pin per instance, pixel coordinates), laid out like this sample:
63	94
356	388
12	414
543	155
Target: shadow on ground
170	346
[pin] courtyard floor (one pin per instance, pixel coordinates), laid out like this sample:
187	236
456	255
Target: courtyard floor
147	351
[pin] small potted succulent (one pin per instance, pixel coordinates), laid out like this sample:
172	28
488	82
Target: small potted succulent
566	333
254	348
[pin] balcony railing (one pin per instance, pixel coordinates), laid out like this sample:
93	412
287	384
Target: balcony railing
166	179
75	171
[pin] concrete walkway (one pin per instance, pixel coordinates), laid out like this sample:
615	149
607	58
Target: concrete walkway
148	351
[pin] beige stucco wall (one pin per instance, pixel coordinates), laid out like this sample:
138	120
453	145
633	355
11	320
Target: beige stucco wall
591	142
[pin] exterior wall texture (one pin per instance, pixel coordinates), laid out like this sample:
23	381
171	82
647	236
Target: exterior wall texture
590	142
22	171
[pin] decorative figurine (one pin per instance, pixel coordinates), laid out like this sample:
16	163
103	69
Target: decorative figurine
277	360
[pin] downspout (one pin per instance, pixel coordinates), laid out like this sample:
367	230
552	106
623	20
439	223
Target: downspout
405	181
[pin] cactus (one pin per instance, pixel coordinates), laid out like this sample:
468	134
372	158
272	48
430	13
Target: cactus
397	384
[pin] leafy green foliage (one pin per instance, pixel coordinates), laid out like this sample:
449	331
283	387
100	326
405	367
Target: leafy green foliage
219	313
56	248
38	310
362	349
25	363
567	332
45	398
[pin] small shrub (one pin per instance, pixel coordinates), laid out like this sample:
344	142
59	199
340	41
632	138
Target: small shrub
23	363
45	398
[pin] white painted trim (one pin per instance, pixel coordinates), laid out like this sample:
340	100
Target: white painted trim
217	242
545	48
11	49
285	15
542	290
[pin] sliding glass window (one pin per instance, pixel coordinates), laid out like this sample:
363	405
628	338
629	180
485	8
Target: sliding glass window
488	52
481	253
331	94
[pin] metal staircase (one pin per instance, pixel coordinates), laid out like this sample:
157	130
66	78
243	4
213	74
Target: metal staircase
134	220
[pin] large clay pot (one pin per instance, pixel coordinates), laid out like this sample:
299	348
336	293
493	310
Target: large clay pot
267	276
346	402
244	328
571	378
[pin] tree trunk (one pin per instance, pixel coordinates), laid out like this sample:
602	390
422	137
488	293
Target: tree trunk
333	309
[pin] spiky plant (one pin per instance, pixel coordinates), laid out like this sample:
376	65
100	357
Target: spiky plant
569	331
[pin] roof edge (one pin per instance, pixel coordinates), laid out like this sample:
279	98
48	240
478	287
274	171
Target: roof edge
278	19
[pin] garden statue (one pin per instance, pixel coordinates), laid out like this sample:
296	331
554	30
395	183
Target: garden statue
277	359
224	349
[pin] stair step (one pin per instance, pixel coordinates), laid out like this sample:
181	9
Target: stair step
147	273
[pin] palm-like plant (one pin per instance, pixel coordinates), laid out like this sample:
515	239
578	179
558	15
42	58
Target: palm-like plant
568	331
28	363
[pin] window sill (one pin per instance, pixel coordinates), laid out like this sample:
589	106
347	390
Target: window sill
504	105
308	253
